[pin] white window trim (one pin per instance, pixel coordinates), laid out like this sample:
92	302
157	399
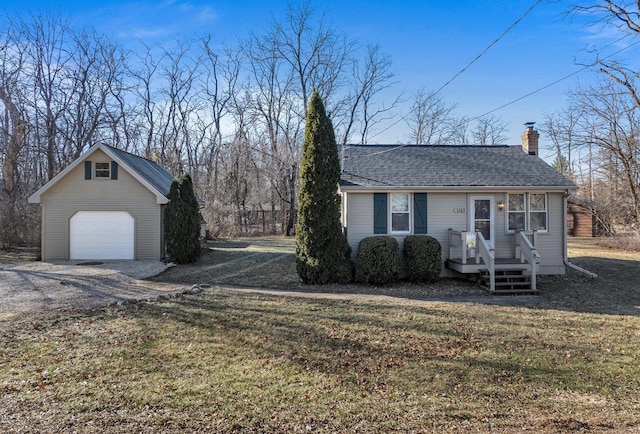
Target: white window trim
546	212
390	214
95	170
527	212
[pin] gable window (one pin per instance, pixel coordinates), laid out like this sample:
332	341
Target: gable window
400	212
527	211
102	171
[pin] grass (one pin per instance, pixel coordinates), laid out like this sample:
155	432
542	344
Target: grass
229	361
624	241
19	254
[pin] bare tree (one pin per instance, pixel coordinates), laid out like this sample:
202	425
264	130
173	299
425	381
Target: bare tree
369	80
431	120
612	124
489	131
144	75
561	128
12	134
221	85
233	117
612	108
317	55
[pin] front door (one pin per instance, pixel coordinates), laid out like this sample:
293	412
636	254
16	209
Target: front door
481	217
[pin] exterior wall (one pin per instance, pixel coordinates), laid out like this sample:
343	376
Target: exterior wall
446	211
359	219
550	245
450	211
73	193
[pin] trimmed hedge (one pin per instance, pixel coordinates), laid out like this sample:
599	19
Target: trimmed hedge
424	258
377	260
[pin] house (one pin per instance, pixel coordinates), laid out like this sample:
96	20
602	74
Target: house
497	211
107	204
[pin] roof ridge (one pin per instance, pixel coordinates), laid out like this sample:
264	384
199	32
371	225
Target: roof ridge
400	145
132	154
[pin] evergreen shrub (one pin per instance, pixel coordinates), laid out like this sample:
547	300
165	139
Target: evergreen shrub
181	223
423	255
322	251
377	260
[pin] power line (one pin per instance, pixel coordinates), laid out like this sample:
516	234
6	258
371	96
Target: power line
475	59
585	67
557	81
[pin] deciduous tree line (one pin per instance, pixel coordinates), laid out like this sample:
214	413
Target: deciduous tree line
231	116
597	135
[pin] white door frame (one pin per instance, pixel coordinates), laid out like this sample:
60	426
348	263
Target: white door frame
492	217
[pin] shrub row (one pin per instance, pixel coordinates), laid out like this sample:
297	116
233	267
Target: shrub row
378	259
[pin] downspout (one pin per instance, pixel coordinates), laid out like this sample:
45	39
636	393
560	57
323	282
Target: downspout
565	240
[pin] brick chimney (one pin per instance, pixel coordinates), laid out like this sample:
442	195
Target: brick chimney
530	139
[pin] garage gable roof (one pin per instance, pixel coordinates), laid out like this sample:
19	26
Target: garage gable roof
150	174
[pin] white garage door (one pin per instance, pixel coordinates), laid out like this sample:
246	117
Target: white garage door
101	235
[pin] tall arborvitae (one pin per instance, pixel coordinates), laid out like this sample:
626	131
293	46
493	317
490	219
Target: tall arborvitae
181	222
322	251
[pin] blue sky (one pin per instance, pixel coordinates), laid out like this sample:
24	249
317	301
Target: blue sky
428	41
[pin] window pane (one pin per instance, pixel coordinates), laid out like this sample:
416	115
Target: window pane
516	221
399	203
400	222
102	170
516	202
482	210
538	221
537	202
484	227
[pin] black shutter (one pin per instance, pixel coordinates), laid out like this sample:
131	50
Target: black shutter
114	170
379	213
87	170
420	213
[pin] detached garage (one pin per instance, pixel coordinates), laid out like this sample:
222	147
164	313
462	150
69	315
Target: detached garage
107	204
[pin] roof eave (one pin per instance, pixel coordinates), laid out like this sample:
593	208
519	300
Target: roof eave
456	188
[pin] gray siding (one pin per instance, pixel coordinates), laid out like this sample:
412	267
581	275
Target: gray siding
73	193
445	211
359	218
551	244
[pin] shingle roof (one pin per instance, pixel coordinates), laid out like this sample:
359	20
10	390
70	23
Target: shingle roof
375	166
152	172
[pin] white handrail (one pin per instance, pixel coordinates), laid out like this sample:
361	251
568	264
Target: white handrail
528	253
485	253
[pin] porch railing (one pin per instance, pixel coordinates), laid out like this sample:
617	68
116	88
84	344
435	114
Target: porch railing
526	252
481	251
487	254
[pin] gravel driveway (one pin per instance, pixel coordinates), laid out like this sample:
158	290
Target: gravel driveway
41	287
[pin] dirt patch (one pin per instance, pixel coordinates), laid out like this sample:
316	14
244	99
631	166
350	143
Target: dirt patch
40	287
